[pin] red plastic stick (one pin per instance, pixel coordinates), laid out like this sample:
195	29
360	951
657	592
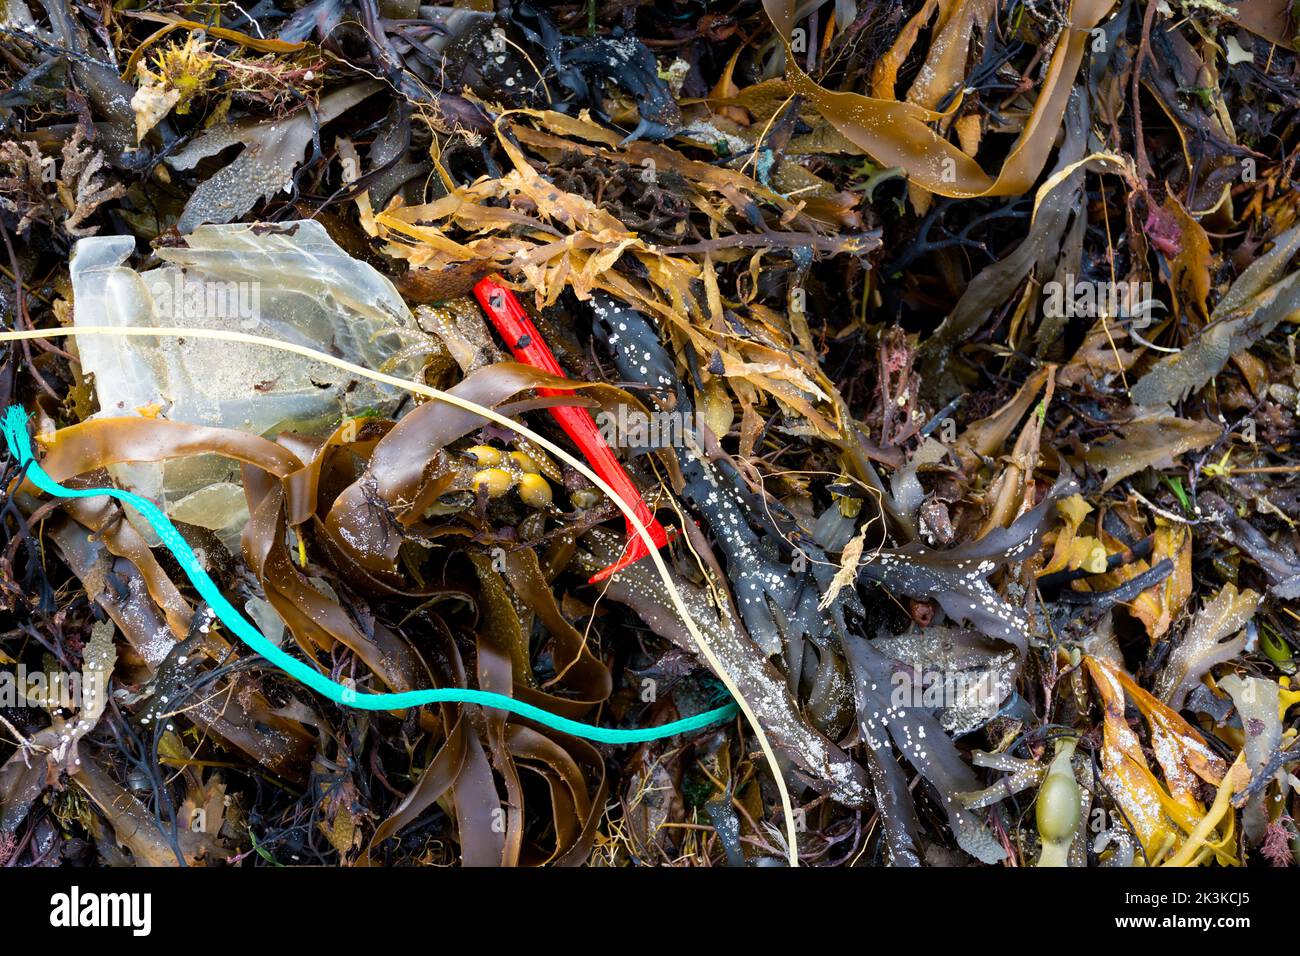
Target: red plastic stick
528	346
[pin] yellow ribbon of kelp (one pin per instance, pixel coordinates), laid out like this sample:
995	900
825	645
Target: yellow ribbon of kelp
895	133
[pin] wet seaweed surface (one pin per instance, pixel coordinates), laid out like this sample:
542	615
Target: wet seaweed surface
953	342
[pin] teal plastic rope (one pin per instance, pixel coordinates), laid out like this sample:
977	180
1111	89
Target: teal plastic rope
15	432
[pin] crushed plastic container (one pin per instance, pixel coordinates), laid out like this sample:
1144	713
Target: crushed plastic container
287	281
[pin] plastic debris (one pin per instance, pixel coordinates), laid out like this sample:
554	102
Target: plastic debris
288	281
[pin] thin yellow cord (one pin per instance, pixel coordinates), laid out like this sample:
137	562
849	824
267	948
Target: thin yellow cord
787	808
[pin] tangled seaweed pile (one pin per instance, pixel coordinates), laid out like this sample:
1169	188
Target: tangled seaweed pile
953	340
